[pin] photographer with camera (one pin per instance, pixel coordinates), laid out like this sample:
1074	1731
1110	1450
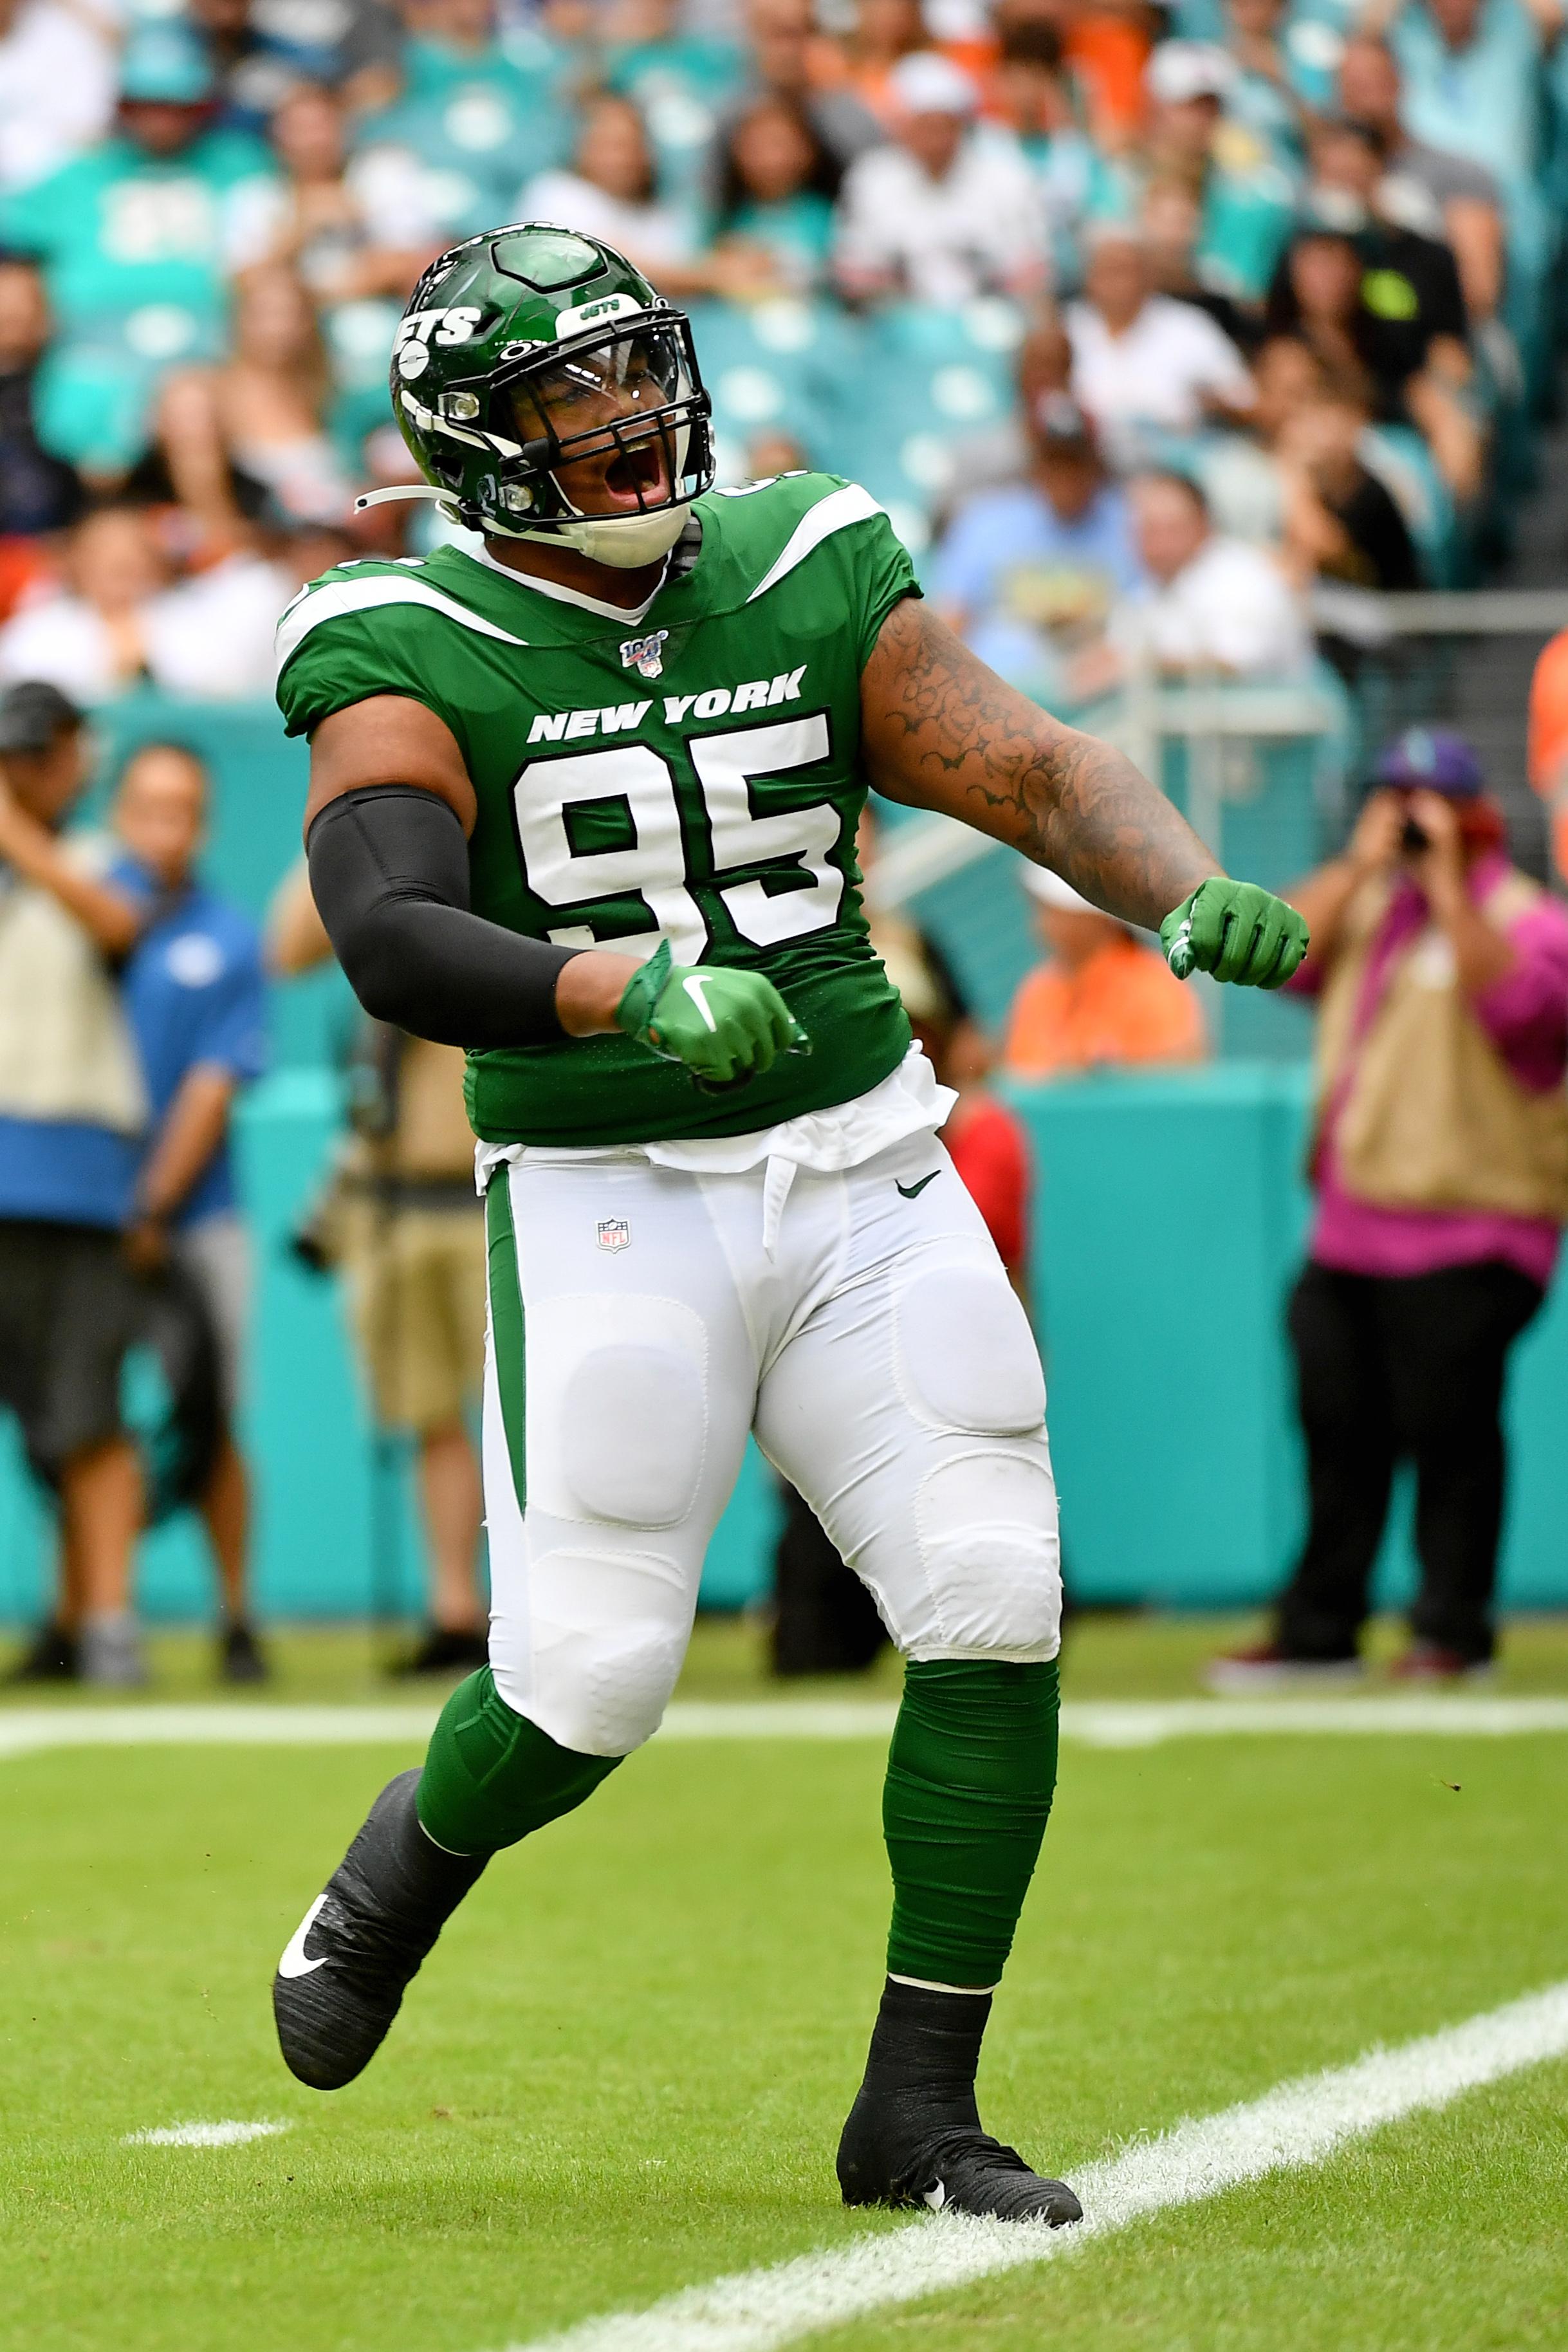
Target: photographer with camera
1441	1167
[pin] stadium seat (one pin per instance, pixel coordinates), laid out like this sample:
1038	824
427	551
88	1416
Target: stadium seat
944	378
359	339
775	367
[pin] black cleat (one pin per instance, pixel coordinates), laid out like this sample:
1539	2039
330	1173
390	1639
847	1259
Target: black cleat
241	1658
446	1650
53	1656
341	1982
913	2134
956	2172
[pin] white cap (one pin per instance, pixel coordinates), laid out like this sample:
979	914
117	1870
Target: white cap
1048	890
1180	70
928	83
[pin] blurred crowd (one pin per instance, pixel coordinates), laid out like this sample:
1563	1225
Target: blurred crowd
1168	335
1184	324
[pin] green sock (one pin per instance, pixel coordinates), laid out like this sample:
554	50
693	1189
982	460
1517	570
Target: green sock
970	1776
491	1776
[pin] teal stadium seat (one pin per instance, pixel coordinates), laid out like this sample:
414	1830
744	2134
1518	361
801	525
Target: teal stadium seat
779	366
943	379
359	339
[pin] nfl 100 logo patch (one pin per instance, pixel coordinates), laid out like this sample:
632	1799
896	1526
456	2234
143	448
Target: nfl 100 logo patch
613	1234
645	655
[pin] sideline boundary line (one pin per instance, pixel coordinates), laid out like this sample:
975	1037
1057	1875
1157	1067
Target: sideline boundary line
1092	1723
1299	2122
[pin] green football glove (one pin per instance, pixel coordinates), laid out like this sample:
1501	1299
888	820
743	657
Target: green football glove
723	1026
1236	931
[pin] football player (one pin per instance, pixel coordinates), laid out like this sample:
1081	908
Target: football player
583	800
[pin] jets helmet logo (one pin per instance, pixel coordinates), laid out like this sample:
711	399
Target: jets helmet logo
613	1234
415	332
645	655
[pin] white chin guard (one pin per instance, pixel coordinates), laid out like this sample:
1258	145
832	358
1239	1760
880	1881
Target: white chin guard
622	542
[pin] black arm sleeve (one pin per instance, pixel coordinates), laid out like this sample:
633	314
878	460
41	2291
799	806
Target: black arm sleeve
389	873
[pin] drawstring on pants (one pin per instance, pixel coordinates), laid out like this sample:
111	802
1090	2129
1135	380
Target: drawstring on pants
776	1186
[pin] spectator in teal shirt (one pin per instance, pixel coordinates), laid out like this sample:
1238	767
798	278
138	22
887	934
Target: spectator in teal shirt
134	239
1472	74
1265	99
776	195
680	82
1247	198
1076	182
479	113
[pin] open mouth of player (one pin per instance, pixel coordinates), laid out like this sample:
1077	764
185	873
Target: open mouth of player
636	475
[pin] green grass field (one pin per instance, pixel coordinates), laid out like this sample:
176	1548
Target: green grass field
624	2068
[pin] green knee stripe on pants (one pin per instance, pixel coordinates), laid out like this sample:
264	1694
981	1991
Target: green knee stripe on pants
491	1776
970	1776
506	1324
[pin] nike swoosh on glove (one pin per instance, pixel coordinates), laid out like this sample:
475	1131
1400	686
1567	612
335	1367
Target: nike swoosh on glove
1236	931
722	1025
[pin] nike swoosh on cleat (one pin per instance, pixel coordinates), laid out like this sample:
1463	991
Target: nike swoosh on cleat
912	1192
936	2198
295	1960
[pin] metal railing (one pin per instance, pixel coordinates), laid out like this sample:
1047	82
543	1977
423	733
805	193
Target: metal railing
1222	728
1459	657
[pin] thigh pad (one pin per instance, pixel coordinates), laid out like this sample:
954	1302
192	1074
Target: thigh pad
966	1356
617	1409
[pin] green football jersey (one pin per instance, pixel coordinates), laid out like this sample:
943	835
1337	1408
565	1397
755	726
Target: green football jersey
693	774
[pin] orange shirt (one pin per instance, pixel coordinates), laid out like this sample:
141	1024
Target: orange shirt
1125	1006
1549	738
1107	54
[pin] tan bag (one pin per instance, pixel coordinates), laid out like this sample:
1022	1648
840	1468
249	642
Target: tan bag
65	1047
1433	1118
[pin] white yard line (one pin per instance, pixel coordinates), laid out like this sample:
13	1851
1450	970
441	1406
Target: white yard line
24	1730
1094	1723
219	2134
1299	2123
1136	1723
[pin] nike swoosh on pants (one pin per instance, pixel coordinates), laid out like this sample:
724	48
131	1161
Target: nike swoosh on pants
913	1192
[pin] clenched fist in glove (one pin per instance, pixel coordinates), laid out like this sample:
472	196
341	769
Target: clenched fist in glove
1236	931
722	1025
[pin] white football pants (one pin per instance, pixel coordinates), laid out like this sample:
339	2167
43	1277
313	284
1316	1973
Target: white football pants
639	1328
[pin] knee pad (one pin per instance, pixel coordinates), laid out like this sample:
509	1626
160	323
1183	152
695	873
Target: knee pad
607	1632
966	1356
986	1524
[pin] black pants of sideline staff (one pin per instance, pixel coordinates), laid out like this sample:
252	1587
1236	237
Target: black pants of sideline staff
1392	1369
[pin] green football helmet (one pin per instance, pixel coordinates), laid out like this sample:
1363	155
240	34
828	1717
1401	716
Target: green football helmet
529	349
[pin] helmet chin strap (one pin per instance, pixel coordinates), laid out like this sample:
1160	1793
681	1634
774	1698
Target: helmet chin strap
624	543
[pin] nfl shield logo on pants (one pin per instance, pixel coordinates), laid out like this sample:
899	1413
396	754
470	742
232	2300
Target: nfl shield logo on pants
613	1233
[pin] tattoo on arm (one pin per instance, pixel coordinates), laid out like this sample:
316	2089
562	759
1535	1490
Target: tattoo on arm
942	731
